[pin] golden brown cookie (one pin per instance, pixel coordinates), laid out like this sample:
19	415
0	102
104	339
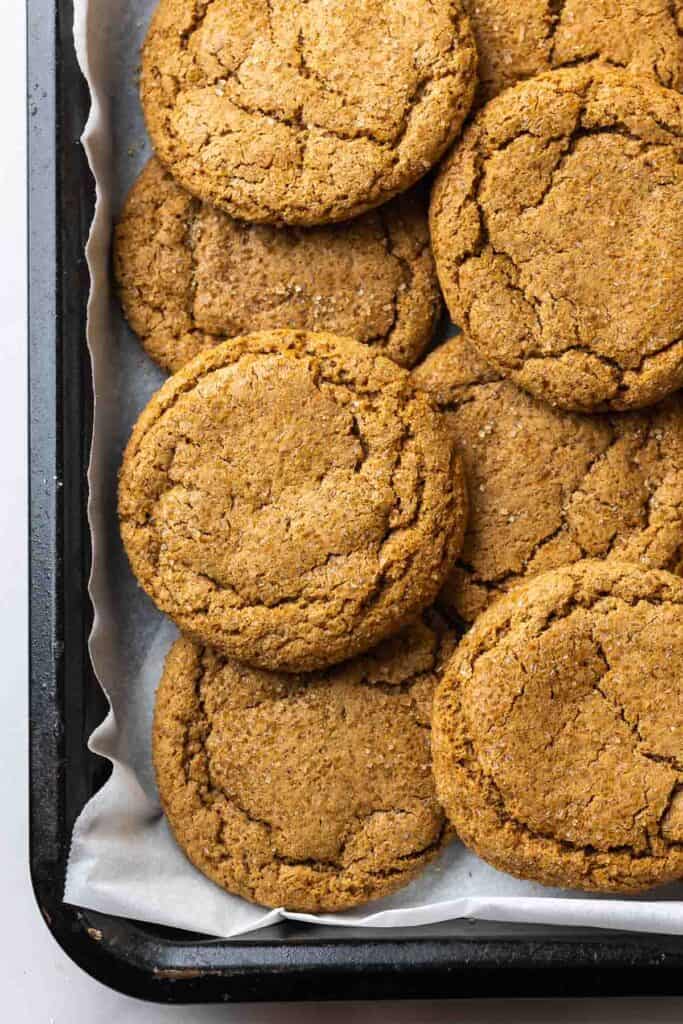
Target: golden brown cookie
558	730
305	111
190	276
518	39
309	792
548	487
557	227
290	498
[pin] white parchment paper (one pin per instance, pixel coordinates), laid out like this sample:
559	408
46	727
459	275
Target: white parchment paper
123	858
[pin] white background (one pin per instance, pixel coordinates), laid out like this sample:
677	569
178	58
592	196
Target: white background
38	984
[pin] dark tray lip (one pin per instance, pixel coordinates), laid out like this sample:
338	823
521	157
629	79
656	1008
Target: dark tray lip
284	963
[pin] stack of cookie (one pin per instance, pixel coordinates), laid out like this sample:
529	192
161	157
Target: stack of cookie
294	497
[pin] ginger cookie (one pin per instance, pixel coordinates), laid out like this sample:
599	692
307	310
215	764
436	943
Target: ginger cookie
305	111
548	487
520	40
558	730
291	499
190	276
310	792
557	228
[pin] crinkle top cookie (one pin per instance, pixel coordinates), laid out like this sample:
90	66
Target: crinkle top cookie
558	729
557	228
311	792
291	499
191	276
305	111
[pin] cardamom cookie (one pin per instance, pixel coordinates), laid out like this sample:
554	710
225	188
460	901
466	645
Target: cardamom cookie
310	792
548	487
190	276
558	730
290	498
557	228
305	111
519	40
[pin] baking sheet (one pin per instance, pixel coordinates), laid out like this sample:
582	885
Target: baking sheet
123	859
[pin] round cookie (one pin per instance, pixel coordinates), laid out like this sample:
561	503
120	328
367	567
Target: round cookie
557	229
190	276
305	111
291	499
558	730
519	40
310	792
548	487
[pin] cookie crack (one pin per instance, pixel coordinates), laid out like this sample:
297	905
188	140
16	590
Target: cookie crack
497	581
395	521
673	7
309	72
640	747
556	11
470	765
296	121
632	723
201	9
572	140
190	245
212	793
512	268
491	583
408	275
652	484
665	347
571	604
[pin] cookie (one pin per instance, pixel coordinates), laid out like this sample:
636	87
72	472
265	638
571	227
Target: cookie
305	111
310	792
519	40
190	276
558	730
289	498
549	487
557	227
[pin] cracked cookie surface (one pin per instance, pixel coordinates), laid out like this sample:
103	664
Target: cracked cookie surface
305	111
557	230
519	40
290	498
558	730
190	276
548	487
309	792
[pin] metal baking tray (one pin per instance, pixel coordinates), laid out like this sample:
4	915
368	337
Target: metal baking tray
289	961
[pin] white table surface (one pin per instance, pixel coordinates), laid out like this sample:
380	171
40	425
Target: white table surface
39	984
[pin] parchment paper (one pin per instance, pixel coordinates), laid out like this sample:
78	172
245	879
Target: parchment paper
123	858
